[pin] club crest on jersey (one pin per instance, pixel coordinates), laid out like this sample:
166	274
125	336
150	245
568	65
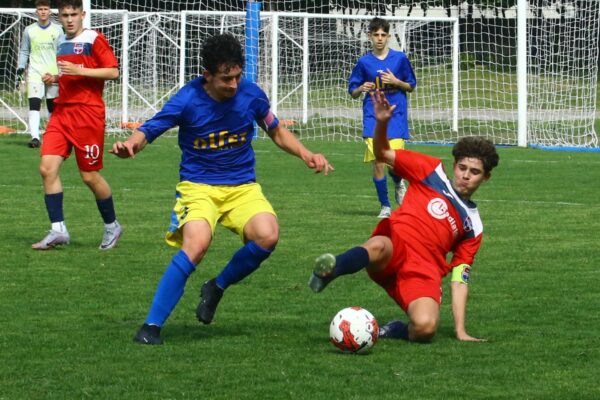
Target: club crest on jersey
78	48
468	224
437	208
465	274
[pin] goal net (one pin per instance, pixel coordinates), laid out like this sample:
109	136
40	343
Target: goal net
158	41
561	74
13	101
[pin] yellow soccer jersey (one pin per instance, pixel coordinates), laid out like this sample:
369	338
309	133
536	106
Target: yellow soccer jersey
38	50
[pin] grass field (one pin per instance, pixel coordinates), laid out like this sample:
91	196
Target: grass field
67	316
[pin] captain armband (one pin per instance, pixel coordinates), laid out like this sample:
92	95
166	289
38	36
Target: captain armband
461	273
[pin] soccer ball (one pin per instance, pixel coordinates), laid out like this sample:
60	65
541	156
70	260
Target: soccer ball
353	330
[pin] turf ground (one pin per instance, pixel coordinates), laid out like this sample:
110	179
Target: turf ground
67	316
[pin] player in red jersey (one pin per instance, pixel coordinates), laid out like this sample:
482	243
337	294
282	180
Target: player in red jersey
85	61
406	254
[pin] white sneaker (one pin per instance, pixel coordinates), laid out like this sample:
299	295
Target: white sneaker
385	212
111	236
52	239
399	192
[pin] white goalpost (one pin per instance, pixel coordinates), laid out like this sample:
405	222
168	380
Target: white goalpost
521	75
304	62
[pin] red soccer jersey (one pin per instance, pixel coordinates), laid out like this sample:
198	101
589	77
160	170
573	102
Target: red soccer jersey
90	50
433	220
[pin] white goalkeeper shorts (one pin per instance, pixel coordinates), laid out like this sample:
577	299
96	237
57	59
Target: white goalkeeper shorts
40	90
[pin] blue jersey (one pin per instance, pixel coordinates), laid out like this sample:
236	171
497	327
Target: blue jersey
214	136
369	69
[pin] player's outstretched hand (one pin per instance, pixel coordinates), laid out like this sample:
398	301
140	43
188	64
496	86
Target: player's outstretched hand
122	149
382	107
465	337
319	163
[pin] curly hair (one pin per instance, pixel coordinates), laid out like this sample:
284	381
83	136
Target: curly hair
477	147
379	23
223	49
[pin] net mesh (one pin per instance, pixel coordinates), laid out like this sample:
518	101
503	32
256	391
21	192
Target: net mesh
562	60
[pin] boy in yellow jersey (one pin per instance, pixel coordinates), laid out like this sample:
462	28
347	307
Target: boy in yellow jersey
38	56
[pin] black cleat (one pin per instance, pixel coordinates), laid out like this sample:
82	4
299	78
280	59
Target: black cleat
394	330
34	143
148	334
210	296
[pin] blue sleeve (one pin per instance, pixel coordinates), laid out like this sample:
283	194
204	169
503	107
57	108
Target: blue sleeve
407	72
356	77
168	117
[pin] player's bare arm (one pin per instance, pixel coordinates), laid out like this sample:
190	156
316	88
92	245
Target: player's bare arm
365	87
68	68
460	293
383	112
129	148
286	140
390	79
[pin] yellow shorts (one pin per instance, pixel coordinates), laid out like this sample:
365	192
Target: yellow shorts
395	144
231	206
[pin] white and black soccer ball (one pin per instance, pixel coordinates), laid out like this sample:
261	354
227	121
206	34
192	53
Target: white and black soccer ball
353	330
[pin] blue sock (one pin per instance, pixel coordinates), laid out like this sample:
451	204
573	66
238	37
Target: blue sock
54	205
382	191
245	261
170	288
394	330
107	210
395	177
351	261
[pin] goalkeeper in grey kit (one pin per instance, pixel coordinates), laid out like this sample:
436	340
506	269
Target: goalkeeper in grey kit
37	56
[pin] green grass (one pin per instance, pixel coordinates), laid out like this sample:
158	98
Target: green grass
68	315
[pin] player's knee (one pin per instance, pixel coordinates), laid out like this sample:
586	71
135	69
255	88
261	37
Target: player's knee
379	248
264	232
90	179
194	251
267	240
423	328
47	171
375	246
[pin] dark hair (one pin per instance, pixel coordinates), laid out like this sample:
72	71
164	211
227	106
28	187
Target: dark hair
74	4
379	23
221	50
41	3
477	147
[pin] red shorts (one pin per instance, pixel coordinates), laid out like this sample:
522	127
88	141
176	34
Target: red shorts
79	127
410	274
